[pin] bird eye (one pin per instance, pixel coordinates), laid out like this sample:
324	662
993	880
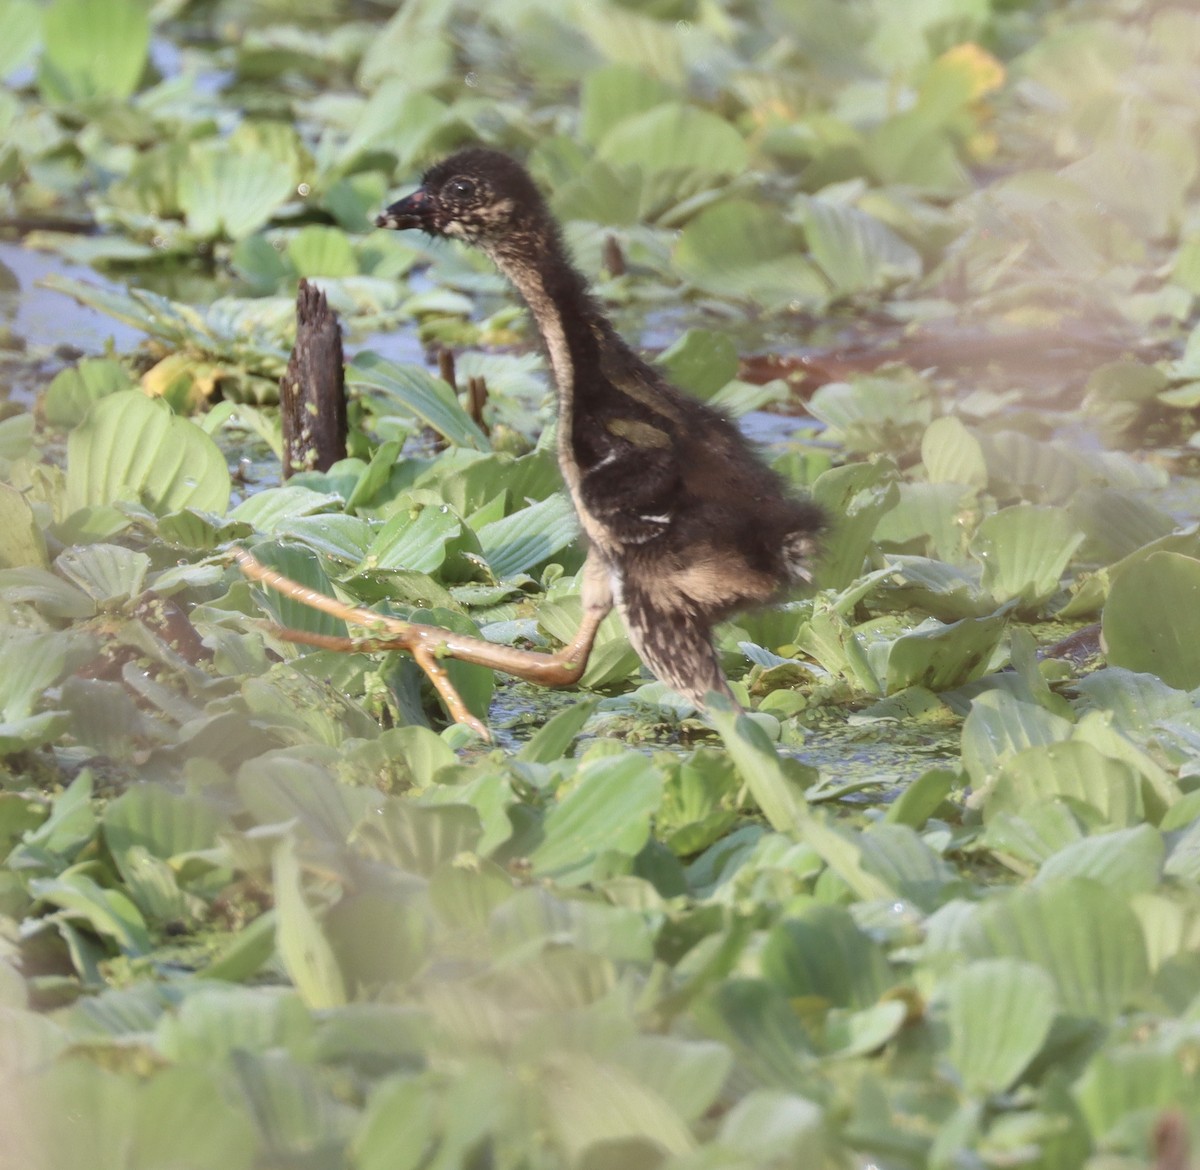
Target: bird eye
460	188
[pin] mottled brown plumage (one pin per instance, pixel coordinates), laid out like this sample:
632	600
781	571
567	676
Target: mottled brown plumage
685	523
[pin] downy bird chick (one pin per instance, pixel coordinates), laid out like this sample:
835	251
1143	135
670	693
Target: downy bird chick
685	524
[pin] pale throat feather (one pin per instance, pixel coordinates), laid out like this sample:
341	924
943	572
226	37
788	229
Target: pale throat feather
527	281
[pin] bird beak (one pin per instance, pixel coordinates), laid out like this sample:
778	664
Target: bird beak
413	211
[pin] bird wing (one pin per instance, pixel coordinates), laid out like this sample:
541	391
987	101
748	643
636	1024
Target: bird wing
632	488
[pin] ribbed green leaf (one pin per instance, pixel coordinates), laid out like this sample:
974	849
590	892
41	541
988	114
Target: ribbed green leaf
93	49
822	953
743	250
381	934
415	392
1117	523
16	433
613	93
296	1115
611	932
214	1021
952	454
933	514
687	1074
107	573
21	540
1084	936
776	791
302	566
855	250
674	136
78	1116
1131	1080
592	1103
464	895
529	537
74	390
897	855
303	948
860	495
612	657
860	1033
133	448
319	250
630	37
28	1040
1024	551
230	195
607	811
1152	619
773	1127
1073	770
398	1127
159	821
31	661
345	537
759	1023
418	838
551	741
107	912
20	32
272	508
999	1012
701	361
416	543
875	412
396	120
1026	467
1128	860
945	591
939	656
998	726
277	788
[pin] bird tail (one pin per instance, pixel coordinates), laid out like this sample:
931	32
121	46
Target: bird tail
677	647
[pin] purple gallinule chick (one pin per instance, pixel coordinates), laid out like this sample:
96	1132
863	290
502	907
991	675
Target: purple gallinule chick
685	524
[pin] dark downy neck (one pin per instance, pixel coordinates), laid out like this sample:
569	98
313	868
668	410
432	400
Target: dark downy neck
568	319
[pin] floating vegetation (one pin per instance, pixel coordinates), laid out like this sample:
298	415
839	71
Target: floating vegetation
934	902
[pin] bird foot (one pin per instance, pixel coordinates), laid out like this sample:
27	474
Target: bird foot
429	646
424	643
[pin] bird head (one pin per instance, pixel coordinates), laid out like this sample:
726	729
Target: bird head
477	195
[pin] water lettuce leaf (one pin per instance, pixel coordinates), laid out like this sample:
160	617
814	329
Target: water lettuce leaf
74	389
854	250
93	49
999	1012
21	540
744	251
418	393
131	447
1152	618
227	194
1024	551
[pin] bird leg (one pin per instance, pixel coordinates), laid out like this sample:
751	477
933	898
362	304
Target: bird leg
429	645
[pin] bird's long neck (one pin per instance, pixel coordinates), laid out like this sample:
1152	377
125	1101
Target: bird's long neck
570	324
558	299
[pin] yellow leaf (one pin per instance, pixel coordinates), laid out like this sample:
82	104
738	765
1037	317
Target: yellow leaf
160	379
184	382
984	72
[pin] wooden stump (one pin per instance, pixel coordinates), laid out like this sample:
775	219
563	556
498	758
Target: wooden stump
312	393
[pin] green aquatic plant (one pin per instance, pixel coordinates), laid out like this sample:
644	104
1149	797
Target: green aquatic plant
932	902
